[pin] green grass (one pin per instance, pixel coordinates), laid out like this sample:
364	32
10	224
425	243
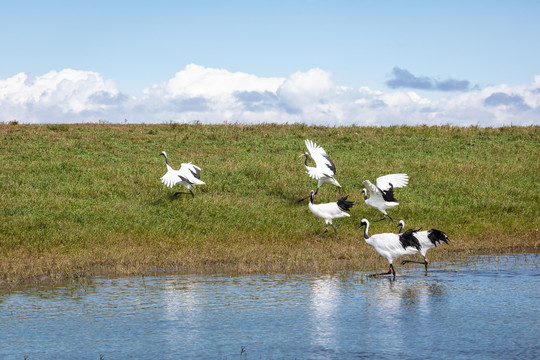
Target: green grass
87	199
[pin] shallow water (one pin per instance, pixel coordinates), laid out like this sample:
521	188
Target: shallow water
485	308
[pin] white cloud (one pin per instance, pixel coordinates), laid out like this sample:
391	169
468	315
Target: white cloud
62	96
197	80
209	95
305	89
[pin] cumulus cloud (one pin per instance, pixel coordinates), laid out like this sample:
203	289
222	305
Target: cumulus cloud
404	79
57	96
209	95
196	80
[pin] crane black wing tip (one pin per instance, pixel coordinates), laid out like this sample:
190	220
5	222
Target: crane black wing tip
407	239
196	172
437	236
343	204
185	179
330	164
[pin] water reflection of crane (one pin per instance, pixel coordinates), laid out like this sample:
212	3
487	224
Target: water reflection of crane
182	307
324	304
395	305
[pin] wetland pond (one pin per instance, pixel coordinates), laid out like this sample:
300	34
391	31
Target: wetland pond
484	308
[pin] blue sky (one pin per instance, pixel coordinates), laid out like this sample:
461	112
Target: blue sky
130	53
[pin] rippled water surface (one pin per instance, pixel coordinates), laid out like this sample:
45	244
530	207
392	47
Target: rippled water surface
486	308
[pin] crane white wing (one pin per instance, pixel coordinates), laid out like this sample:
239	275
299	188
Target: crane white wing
317	173
191	173
373	190
170	178
397	181
320	157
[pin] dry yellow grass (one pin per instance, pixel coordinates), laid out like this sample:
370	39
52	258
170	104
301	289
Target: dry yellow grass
314	255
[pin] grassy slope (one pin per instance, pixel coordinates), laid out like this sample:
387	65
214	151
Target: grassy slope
80	199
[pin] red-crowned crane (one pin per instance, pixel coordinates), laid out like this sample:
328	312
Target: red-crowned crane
324	169
390	246
188	175
427	239
330	211
381	195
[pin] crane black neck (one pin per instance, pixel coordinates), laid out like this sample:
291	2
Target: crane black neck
366	228
365	194
166	160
